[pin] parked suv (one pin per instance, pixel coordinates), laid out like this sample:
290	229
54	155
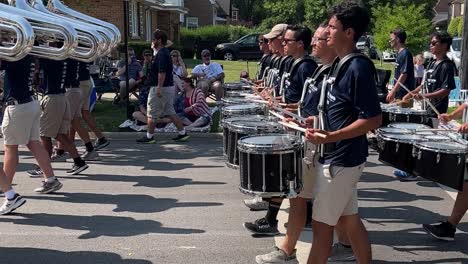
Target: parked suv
455	51
245	48
366	45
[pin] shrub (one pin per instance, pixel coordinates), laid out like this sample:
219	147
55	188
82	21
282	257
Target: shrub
453	26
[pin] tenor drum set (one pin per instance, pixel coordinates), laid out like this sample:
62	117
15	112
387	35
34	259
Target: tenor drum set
269	159
406	143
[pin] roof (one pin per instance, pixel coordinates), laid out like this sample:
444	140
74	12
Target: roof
163	6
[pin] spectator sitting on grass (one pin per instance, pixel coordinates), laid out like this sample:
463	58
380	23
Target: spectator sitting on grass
210	77
179	69
196	112
135	73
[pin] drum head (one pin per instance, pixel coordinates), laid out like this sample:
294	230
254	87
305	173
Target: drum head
255	127
444	147
386	107
254	118
269	143
233	94
233	86
233	100
436	138
240	108
392	130
409	126
403	138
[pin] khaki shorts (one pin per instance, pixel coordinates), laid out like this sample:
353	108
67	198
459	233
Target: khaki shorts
336	193
161	106
75	100
55	118
310	167
21	123
86	92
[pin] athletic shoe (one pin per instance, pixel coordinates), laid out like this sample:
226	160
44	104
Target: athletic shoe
404	176
59	157
11	205
101	143
126	123
262	227
35	173
443	231
277	256
307	227
146	140
77	169
183	137
256	204
49	187
341	253
90	155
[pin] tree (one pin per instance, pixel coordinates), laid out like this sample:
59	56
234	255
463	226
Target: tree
453	27
416	25
250	10
283	11
460	26
316	11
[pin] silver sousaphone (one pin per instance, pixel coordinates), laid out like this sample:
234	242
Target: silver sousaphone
17	37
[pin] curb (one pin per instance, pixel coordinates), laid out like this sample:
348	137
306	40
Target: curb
135	135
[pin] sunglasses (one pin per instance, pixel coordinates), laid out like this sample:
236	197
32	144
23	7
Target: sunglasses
206	56
433	43
263	41
173	56
287	41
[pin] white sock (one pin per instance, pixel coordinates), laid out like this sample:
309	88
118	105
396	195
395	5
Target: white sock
50	179
149	135
182	132
10	194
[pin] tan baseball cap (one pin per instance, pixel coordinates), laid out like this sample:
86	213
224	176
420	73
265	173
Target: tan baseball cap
276	31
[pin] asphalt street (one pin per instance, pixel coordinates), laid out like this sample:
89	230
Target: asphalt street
178	203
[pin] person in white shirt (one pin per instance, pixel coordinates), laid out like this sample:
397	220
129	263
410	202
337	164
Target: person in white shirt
210	76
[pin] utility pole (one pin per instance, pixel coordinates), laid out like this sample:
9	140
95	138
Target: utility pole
464	52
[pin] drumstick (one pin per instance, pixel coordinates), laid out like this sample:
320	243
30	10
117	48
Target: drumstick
276	114
425	98
436	130
300	129
298	118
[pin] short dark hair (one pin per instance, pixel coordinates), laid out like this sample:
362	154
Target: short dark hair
444	38
302	33
351	15
159	34
400	34
188	80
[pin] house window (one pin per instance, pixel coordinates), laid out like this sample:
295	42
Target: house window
134	25
235	15
192	22
462	12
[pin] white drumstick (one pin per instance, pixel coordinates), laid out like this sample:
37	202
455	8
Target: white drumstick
301	129
436	130
425	98
298	118
276	114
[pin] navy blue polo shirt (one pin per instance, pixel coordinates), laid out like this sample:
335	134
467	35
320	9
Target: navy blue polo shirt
19	75
440	76
72	74
264	63
353	96
83	71
54	73
404	64
293	90
162	63
312	95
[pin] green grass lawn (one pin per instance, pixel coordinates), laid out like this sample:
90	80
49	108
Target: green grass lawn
109	116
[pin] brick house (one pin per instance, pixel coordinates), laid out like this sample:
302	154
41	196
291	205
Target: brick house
205	13
144	15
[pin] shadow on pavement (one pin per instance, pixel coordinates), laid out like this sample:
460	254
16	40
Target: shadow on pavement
375	177
124	202
144	181
46	256
98	225
391	195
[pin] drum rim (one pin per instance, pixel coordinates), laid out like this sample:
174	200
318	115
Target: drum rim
393	125
236	126
406	131
269	194
248	148
421	146
252	107
410	111
402	141
226	121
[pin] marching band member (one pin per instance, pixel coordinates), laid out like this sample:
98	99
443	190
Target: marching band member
350	108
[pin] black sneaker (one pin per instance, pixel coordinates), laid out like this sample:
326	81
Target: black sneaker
262	227
182	138
101	143
146	140
11	205
49	187
77	169
35	173
443	231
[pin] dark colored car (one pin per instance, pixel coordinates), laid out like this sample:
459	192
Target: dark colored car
245	48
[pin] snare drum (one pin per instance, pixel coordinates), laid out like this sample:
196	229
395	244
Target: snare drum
397	150
270	165
225	124
234	94
442	162
386	108
236	86
227	101
407	115
240	129
409	126
242	110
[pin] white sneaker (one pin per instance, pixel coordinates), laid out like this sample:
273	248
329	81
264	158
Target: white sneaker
341	253
127	123
277	256
256	204
11	205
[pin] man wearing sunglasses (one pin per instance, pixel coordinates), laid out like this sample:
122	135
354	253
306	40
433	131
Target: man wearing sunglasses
210	76
266	58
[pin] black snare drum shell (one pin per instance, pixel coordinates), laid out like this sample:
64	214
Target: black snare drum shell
401	159
448	171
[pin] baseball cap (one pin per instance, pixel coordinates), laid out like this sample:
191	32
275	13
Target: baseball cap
205	52
276	31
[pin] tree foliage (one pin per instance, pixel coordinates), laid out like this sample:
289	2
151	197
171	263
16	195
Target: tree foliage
316	11
411	18
283	11
454	26
460	27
